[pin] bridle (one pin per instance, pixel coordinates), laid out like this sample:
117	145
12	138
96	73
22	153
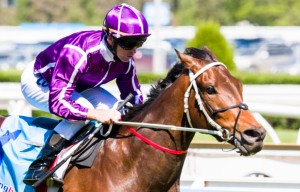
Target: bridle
221	132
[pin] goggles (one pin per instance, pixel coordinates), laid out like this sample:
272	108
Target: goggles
130	43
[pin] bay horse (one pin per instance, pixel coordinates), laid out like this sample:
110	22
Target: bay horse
197	92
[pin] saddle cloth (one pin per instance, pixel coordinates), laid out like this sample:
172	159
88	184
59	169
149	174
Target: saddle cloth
16	154
21	140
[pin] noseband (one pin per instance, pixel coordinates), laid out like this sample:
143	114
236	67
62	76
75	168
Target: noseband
221	132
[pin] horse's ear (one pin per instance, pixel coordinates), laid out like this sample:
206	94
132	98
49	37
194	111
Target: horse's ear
205	48
187	60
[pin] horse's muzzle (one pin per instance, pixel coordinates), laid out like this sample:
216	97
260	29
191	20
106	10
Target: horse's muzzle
250	141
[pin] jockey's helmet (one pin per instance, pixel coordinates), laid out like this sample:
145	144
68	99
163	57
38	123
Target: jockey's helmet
125	21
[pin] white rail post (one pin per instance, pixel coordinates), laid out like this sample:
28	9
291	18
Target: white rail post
298	138
268	127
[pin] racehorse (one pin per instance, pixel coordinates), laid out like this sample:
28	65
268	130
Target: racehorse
198	92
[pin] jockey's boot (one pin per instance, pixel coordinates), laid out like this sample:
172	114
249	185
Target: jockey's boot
39	167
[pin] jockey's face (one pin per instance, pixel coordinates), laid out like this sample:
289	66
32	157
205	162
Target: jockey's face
125	55
125	49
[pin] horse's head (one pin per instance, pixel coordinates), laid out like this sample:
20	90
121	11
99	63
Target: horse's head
214	94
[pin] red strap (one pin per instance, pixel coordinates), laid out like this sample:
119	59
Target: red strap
149	142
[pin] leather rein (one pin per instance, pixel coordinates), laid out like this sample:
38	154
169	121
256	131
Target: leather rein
221	132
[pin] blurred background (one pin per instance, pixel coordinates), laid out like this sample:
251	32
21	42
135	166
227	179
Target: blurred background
263	34
258	40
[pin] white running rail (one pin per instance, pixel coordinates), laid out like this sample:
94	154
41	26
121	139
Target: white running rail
272	100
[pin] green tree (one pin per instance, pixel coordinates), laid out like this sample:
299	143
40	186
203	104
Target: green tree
91	12
190	12
263	12
230	12
209	34
184	12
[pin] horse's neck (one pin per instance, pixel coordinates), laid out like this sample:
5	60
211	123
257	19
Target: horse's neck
168	109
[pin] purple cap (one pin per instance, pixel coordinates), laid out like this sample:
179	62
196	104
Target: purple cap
125	20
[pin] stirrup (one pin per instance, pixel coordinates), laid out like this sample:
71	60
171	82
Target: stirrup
29	181
33	175
54	182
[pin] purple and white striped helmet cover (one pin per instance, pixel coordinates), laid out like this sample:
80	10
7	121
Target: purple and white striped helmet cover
125	20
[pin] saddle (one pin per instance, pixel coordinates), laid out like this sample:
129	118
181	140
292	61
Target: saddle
85	155
82	157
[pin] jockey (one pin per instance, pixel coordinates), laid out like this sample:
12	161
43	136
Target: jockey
65	79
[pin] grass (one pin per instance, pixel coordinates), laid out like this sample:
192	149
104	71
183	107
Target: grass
10	76
286	136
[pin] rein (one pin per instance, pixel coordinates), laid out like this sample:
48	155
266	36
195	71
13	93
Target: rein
168	127
221	132
155	145
165	127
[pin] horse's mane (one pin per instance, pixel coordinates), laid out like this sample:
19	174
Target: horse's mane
161	84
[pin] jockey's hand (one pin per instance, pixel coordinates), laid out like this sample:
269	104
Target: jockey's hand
105	116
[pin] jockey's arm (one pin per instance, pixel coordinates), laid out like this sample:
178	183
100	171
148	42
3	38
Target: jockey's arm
105	116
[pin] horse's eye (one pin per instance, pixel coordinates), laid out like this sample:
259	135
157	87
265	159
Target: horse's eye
210	90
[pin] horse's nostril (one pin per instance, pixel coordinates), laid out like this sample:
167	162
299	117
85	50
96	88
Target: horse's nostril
255	133
252	133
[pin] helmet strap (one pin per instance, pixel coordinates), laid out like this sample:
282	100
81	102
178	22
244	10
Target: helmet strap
112	48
